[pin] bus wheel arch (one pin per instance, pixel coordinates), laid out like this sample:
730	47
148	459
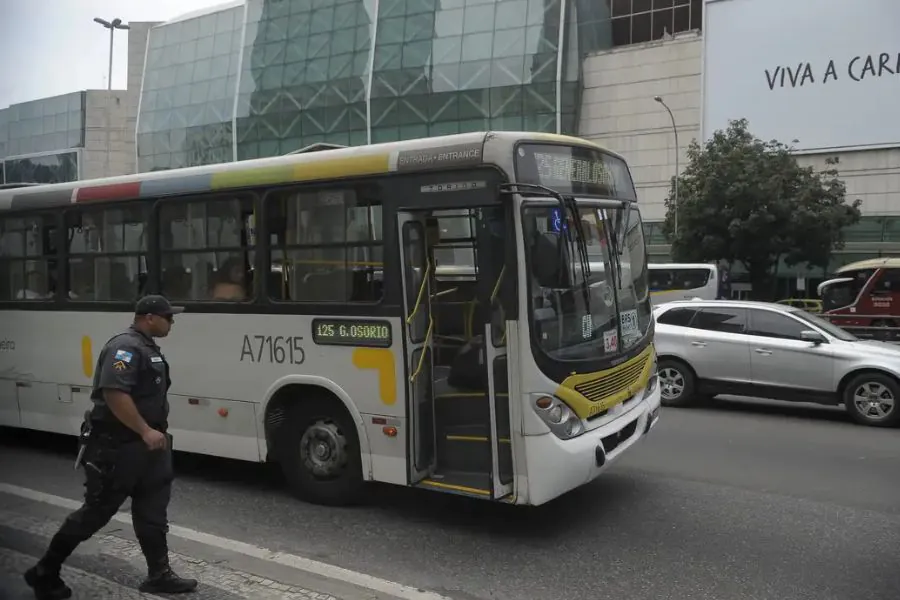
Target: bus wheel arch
318	441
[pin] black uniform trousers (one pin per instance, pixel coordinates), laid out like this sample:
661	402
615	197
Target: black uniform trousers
114	472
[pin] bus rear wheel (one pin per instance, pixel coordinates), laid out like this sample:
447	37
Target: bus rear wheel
319	453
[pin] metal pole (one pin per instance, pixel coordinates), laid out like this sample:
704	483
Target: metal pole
112	33
112	26
677	170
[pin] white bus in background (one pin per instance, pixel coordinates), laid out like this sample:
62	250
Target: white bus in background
683	281
318	333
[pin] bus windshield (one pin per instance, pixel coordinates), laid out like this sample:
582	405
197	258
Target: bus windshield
844	290
598	311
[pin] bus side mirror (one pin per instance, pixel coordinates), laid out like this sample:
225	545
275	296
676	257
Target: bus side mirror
813	337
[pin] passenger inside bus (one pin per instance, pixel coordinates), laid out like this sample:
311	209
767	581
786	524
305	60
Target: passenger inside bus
229	282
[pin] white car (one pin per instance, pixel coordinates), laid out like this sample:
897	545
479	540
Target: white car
763	350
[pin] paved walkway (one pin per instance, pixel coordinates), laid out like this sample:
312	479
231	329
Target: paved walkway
111	567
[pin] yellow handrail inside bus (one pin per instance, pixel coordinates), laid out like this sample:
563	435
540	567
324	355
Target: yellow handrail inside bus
425	350
415	309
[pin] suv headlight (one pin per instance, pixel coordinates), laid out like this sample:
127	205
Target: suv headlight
561	419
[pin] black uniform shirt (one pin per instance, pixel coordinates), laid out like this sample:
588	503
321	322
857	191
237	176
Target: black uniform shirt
132	363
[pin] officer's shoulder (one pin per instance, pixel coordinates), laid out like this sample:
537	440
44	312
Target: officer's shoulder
124	341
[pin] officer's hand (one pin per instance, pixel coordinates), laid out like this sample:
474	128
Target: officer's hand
155	440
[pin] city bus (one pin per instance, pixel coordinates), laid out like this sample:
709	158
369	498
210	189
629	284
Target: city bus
861	294
328	327
683	281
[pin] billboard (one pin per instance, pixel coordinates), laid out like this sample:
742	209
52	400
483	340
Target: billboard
823	72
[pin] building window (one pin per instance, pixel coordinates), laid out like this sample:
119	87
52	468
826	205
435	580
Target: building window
326	245
637	21
28	258
207	249
108	253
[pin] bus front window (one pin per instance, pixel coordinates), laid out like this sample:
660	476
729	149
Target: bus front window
577	306
633	291
843	291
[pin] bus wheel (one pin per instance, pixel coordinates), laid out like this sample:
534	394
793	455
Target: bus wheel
319	453
872	398
676	383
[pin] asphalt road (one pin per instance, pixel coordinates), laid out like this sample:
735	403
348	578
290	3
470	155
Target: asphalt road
741	501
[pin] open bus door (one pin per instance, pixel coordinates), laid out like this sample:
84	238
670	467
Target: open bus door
418	340
460	438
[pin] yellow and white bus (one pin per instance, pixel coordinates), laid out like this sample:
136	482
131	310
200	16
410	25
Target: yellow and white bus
326	328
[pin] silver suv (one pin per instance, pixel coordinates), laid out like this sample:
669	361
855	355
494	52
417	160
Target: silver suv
757	349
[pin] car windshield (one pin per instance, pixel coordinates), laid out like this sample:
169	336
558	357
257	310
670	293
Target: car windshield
826	326
588	313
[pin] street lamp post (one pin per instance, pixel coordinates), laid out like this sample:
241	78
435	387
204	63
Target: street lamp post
112	26
675	129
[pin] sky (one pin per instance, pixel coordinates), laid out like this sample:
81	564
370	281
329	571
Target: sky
57	48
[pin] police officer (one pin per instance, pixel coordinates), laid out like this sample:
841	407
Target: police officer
126	452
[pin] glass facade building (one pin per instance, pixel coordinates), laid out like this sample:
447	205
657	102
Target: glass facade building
39	140
265	77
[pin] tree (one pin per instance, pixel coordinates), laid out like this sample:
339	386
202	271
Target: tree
743	199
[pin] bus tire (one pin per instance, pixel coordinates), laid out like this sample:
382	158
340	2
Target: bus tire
879	385
677	384
319	453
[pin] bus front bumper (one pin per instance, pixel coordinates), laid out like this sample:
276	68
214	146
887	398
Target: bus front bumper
557	466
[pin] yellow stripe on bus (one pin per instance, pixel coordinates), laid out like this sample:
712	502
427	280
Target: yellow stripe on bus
456	488
382	361
352	166
87	357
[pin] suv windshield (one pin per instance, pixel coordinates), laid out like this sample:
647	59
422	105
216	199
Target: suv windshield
600	311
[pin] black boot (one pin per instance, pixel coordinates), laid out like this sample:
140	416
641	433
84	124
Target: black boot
47	584
165	581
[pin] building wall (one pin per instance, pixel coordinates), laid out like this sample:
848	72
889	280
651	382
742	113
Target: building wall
111	117
106	130
39	139
618	109
278	75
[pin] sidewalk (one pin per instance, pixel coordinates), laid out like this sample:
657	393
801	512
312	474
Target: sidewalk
110	566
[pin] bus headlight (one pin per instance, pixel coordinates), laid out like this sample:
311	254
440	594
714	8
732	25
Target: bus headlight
654	377
563	422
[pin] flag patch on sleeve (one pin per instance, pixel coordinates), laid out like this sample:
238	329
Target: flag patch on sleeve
123	355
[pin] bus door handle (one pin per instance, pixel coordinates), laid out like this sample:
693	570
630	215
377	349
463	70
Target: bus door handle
763	351
699	344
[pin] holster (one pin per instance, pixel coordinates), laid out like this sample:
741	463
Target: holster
84	436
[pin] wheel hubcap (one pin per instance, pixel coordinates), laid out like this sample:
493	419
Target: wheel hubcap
323	449
874	401
671	383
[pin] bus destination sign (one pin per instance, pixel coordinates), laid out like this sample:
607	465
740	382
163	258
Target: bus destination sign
352	332
574	170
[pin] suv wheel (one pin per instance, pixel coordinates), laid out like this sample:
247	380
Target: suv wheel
676	383
872	399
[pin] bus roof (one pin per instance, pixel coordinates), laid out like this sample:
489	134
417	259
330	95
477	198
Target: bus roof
871	263
451	151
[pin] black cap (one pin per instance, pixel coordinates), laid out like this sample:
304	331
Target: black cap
156	305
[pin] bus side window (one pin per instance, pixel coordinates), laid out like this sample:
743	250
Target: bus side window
206	248
326	244
888	282
107	252
28	262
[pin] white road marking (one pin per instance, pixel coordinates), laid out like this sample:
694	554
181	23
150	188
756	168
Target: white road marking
314	567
